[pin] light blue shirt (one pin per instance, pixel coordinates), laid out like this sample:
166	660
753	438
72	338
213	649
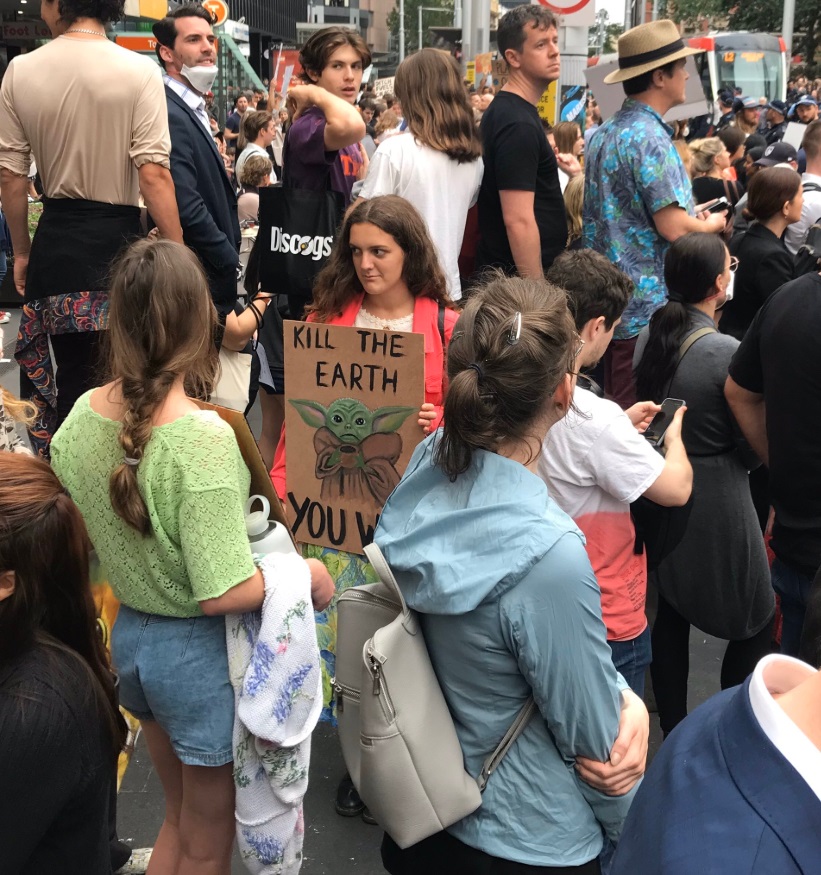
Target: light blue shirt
193	100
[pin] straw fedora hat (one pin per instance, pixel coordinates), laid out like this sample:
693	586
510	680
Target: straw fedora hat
648	47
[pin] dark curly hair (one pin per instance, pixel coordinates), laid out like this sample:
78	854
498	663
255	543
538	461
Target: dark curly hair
106	11
337	283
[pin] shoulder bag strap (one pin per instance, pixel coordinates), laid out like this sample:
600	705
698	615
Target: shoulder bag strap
517	727
684	348
696	335
380	565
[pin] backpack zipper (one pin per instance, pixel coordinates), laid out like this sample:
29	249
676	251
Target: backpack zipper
341	691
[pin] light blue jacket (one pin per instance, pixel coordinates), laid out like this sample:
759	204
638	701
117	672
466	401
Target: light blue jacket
510	605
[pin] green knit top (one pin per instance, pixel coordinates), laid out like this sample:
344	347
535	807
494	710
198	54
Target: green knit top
194	482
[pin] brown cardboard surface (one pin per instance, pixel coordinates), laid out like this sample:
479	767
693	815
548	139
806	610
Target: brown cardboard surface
260	478
352	401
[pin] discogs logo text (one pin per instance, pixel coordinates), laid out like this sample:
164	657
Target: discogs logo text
296	244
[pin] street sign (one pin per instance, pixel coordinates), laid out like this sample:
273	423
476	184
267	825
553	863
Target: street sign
574	13
217	8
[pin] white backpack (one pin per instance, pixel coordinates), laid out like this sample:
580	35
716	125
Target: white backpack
397	735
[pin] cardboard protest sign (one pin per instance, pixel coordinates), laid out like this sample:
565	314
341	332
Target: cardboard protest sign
381	87
352	401
260	478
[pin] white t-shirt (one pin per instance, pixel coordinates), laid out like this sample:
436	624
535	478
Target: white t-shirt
810	214
440	188
245	154
595	464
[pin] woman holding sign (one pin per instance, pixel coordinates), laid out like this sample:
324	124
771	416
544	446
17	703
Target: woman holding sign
383	273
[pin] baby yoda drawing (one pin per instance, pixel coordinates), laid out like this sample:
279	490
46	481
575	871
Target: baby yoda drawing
356	449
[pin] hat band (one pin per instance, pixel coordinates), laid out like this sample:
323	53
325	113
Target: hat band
647	57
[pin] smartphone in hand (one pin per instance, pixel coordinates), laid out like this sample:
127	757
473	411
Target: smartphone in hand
661	421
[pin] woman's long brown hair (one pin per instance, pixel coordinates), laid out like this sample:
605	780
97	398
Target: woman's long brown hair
161	327
337	283
43	540
435	105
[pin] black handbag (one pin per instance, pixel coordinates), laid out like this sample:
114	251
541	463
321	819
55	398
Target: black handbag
297	228
659	529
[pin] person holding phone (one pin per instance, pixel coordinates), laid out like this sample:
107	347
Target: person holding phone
596	462
717	577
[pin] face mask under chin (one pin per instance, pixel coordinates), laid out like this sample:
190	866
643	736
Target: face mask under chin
201	77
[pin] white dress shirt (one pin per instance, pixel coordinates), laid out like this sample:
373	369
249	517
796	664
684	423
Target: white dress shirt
776	674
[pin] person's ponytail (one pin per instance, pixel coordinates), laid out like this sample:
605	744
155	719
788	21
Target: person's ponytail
658	361
510	349
691	267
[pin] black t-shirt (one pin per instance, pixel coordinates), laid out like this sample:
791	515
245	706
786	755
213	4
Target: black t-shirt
518	157
708	188
56	769
780	358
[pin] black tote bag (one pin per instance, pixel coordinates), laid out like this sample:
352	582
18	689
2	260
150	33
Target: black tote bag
297	228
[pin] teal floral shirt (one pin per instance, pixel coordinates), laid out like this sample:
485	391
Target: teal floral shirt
632	171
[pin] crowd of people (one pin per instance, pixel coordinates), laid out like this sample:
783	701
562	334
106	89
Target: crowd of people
558	529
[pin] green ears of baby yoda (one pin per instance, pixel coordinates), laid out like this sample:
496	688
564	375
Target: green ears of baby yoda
348	418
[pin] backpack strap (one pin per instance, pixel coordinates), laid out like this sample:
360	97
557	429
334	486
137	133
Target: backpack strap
440	321
810	186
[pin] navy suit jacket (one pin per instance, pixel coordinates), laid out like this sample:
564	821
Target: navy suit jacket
205	200
719	799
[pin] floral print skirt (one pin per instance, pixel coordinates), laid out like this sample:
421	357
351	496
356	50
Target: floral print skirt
346	570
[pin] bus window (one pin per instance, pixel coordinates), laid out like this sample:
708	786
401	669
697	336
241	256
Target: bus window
757	74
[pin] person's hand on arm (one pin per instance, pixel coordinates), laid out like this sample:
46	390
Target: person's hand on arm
558	637
673	486
157	189
344	125
522	232
750	413
14	194
628	756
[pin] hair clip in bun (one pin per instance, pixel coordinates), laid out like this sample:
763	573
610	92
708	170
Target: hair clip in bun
515	330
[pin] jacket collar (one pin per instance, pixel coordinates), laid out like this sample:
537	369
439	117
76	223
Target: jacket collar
769	783
425	313
173	96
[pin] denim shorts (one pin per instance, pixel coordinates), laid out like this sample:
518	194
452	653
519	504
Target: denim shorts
175	671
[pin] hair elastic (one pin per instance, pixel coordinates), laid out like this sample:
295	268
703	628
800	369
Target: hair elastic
131	462
675	298
478	368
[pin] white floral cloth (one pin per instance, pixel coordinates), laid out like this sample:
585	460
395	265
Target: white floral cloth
273	661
